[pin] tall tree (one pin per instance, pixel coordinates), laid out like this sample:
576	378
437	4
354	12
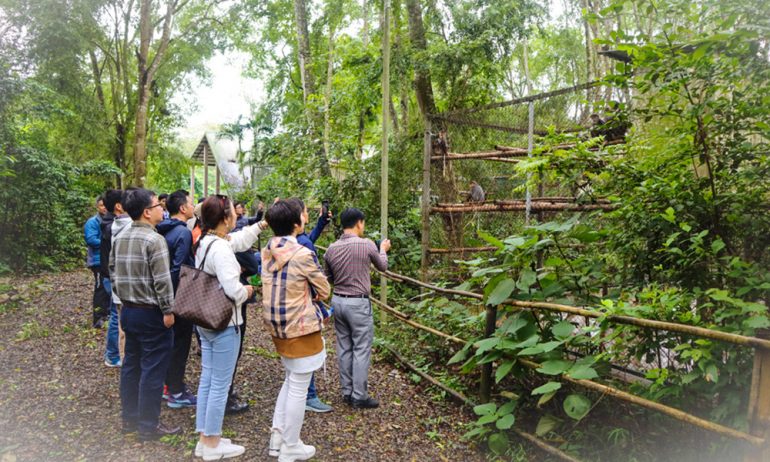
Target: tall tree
308	80
147	67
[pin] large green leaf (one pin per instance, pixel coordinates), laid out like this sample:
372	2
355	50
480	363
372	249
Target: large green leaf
527	279
554	367
501	291
546	425
582	372
547	388
485	409
504	369
577	406
485	345
505	422
562	329
498	442
491	239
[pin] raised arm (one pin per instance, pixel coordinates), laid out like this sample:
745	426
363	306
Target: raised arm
378	258
243	240
323	221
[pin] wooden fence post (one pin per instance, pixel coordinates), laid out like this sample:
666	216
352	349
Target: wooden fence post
759	402
485	387
425	202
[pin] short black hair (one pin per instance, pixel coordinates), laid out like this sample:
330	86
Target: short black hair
163	196
112	197
99	199
298	202
282	217
176	200
350	217
136	200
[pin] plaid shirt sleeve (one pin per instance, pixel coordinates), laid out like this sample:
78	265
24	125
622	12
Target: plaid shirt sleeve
161	273
328	266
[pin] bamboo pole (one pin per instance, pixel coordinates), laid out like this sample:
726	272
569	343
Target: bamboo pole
404	318
501	152
517	207
630	398
425	203
525	99
467	401
737	339
462	250
759	404
384	167
619	319
662	408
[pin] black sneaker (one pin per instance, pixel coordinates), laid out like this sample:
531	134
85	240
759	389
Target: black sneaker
236	407
368	403
347	399
160	431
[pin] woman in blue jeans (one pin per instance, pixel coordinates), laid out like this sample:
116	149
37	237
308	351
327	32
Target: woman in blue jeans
215	255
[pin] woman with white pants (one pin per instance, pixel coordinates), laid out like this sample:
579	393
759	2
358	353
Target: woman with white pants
289	270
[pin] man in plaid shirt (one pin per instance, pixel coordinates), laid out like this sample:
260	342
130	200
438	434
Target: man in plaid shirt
141	277
347	267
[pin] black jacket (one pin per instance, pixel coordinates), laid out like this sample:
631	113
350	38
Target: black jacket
106	244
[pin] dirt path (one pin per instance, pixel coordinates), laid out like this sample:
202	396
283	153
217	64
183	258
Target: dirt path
59	402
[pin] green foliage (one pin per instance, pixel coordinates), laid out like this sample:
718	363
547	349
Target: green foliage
45	203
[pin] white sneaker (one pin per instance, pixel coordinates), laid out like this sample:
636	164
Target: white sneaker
222	451
276	439
199	447
299	451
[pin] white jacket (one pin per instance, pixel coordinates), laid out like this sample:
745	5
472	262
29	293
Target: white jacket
221	262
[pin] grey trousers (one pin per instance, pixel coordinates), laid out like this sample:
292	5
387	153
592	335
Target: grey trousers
354	327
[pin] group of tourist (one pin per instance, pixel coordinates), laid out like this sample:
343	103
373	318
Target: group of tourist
138	244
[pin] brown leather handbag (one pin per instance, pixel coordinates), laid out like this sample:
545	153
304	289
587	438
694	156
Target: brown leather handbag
201	299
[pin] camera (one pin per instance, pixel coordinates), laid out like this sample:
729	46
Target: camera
324	208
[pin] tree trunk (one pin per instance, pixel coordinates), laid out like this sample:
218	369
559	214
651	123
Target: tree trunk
422	83
365	15
303	50
308	82
445	178
328	92
147	68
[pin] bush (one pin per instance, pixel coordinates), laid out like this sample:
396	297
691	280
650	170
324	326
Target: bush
45	202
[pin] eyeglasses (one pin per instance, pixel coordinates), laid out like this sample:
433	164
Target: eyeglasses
153	206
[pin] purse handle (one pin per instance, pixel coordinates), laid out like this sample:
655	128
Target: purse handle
206	254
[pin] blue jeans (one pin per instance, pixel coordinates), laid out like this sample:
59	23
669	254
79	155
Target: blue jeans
219	353
312	393
148	351
112	352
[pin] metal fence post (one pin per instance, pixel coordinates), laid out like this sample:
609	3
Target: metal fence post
759	402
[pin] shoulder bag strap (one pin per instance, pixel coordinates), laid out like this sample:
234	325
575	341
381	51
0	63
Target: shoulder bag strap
206	253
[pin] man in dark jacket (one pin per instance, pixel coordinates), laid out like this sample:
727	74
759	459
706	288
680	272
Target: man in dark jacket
179	240
242	220
114	208
92	232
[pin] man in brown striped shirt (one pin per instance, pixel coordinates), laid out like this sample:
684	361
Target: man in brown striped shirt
347	267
